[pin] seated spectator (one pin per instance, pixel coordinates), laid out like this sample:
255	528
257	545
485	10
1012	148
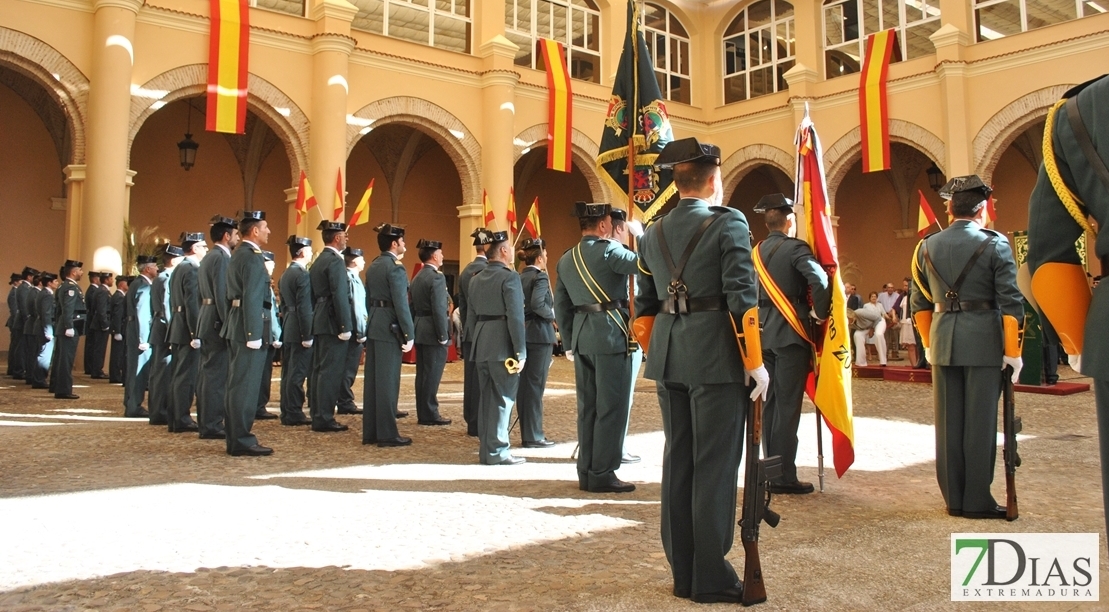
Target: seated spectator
870	324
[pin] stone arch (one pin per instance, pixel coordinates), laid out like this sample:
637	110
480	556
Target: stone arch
447	130
1007	124
266	100
65	83
839	158
583	152
750	157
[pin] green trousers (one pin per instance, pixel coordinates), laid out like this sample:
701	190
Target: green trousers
966	434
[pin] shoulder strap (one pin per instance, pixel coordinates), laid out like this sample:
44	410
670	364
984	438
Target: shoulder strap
953	290
676	270
1083	138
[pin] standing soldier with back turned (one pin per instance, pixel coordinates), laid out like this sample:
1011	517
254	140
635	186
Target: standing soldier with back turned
540	336
429	311
470	390
295	287
355	263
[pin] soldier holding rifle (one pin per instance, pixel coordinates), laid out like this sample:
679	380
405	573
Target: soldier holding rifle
697	277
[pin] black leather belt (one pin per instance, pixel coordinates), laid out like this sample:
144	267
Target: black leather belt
966	306
701	304
381	303
179	308
492	318
422	313
531	316
267	305
207	302
602	307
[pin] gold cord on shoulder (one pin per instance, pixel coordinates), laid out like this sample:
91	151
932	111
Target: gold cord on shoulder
1073	205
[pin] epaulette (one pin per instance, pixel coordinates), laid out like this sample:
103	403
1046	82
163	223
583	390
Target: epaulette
256	251
723	209
436	271
993	231
1074	91
929	235
398	262
655	219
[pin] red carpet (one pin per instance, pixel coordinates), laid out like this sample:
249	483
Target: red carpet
904	374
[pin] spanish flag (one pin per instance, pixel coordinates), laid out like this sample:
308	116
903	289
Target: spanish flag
487	216
560	107
830	385
306	200
873	111
926	218
337	212
229	40
361	212
531	222
991	211
510	215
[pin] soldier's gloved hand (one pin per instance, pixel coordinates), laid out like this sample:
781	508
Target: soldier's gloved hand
444	342
361	340
1016	362
1075	362
307	343
570	356
520	365
928	354
276	344
762	381
813	315
195	343
143	346
635	228
69	333
118	337
408	346
344	336
254	344
48	337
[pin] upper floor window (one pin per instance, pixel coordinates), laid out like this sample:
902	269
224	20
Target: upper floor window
292	7
440	23
758	50
997	18
848	23
574	23
668	44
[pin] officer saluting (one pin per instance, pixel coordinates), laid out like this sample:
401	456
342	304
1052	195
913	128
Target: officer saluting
788	268
968	309
429	309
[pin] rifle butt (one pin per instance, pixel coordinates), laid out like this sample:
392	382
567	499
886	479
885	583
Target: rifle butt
754	591
1011	510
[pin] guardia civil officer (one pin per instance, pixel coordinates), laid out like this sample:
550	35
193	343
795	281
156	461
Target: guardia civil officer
355	262
161	369
296	351
90	308
44	329
331	325
540	338
29	304
22	367
470	390
968	308
698	368
117	317
100	320
429	311
1071	186
139	319
794	274
496	314
591	306
247	331
13	314
184	329
212	281
619	232
69	325
391	332
271	319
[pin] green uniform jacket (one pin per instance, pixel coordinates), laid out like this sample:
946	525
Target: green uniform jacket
430	305
212	281
538	305
70	307
496	292
471	270
28	305
607	264
795	271
13	308
44	322
21	313
139	312
386	280
159	300
184	302
970	338
698	348
330	294
358	315
117	321
101	319
249	284
90	302
296	304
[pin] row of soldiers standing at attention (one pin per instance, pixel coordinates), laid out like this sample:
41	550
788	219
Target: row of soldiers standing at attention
46	316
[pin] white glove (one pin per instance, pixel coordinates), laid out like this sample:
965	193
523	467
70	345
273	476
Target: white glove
1075	362
408	346
118	337
444	342
1017	364
195	344
307	343
143	346
570	356
361	340
70	332
813	315
48	337
344	336
635	228
254	344
762	381
520	365
276	344
928	355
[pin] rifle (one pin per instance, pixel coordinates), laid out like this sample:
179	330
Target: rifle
1012	427
756	506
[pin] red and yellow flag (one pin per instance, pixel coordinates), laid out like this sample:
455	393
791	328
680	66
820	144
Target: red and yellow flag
510	214
560	106
227	66
830	385
991	211
487	216
306	200
531	222
361	212
926	218
873	111
337	212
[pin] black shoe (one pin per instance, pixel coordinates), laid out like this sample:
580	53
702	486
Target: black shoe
219	435
791	488
732	595
439	421
510	460
399	441
66	396
472	434
614	485
254	451
40	386
297	422
400	414
98	377
997	512
355	411
330	427
159	422
365	442
265	416
683	593
538	443
630	458
190	428
954	512
138	415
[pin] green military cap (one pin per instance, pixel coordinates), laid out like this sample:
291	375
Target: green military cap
47	277
92	275
142	260
965	184
225	221
476	236
533	243
254	215
352	252
687	150
772	201
334	226
122	279
429	244
619	214
485	237
267	255
388	229
190	238
28	271
172	250
295	240
69	263
584	210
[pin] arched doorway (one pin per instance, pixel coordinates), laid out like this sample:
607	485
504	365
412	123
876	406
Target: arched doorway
557	192
1014	177
759	181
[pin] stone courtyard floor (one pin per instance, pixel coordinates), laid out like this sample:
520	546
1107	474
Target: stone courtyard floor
105	513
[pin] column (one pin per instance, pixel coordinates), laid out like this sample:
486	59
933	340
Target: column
105	188
498	82
327	154
74	195
951	42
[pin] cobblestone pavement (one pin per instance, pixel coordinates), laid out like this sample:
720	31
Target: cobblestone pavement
106	513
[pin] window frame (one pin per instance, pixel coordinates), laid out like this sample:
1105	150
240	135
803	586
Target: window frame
744	35
859	44
432	10
1080	12
590	16
674	45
